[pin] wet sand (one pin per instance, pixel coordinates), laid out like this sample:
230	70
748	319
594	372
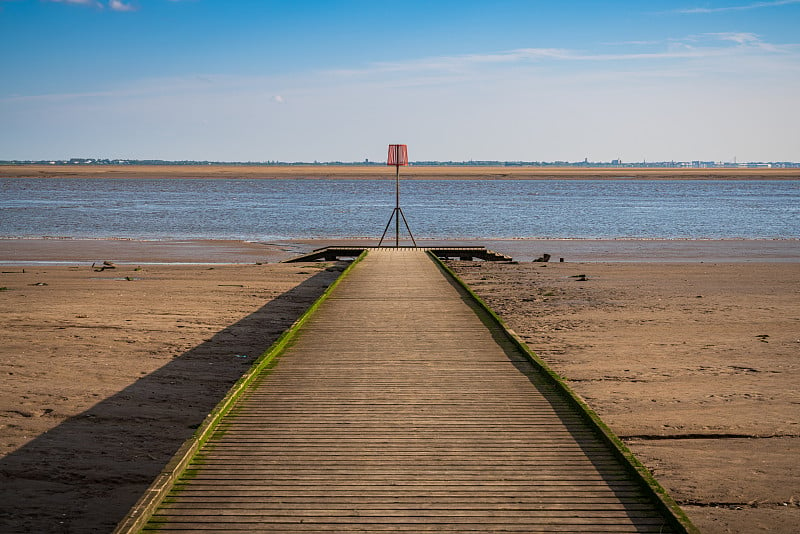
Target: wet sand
82	251
692	360
67	251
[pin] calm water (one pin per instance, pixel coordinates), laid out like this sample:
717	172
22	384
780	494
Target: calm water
266	210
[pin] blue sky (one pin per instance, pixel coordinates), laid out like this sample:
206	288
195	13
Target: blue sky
250	80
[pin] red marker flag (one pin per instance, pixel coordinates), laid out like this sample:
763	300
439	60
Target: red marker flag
398	155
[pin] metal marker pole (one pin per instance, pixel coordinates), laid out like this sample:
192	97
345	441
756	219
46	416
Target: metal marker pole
398	155
397	206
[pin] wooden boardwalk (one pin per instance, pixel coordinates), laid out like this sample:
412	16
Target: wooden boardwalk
396	410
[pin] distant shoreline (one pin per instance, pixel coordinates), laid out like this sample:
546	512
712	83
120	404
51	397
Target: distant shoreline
346	172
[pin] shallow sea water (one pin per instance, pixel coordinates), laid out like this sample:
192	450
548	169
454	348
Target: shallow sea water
266	210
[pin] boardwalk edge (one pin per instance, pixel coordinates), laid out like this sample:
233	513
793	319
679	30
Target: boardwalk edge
147	504
664	501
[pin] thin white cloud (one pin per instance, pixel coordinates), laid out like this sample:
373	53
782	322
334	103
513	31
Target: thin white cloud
216	85
694	47
93	3
628	43
113	5
747	40
118	5
742	38
449	63
694	55
746	7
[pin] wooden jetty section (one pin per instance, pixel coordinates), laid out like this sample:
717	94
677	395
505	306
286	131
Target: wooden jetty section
333	253
400	406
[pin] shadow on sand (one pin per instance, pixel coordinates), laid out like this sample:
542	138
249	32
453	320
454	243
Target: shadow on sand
86	473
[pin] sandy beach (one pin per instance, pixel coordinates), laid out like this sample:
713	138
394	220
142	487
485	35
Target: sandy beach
378	172
691	359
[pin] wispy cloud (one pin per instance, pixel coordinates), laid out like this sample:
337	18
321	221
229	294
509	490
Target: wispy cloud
694	55
93	3
113	5
693	47
749	40
159	87
118	5
451	63
746	7
628	43
742	39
